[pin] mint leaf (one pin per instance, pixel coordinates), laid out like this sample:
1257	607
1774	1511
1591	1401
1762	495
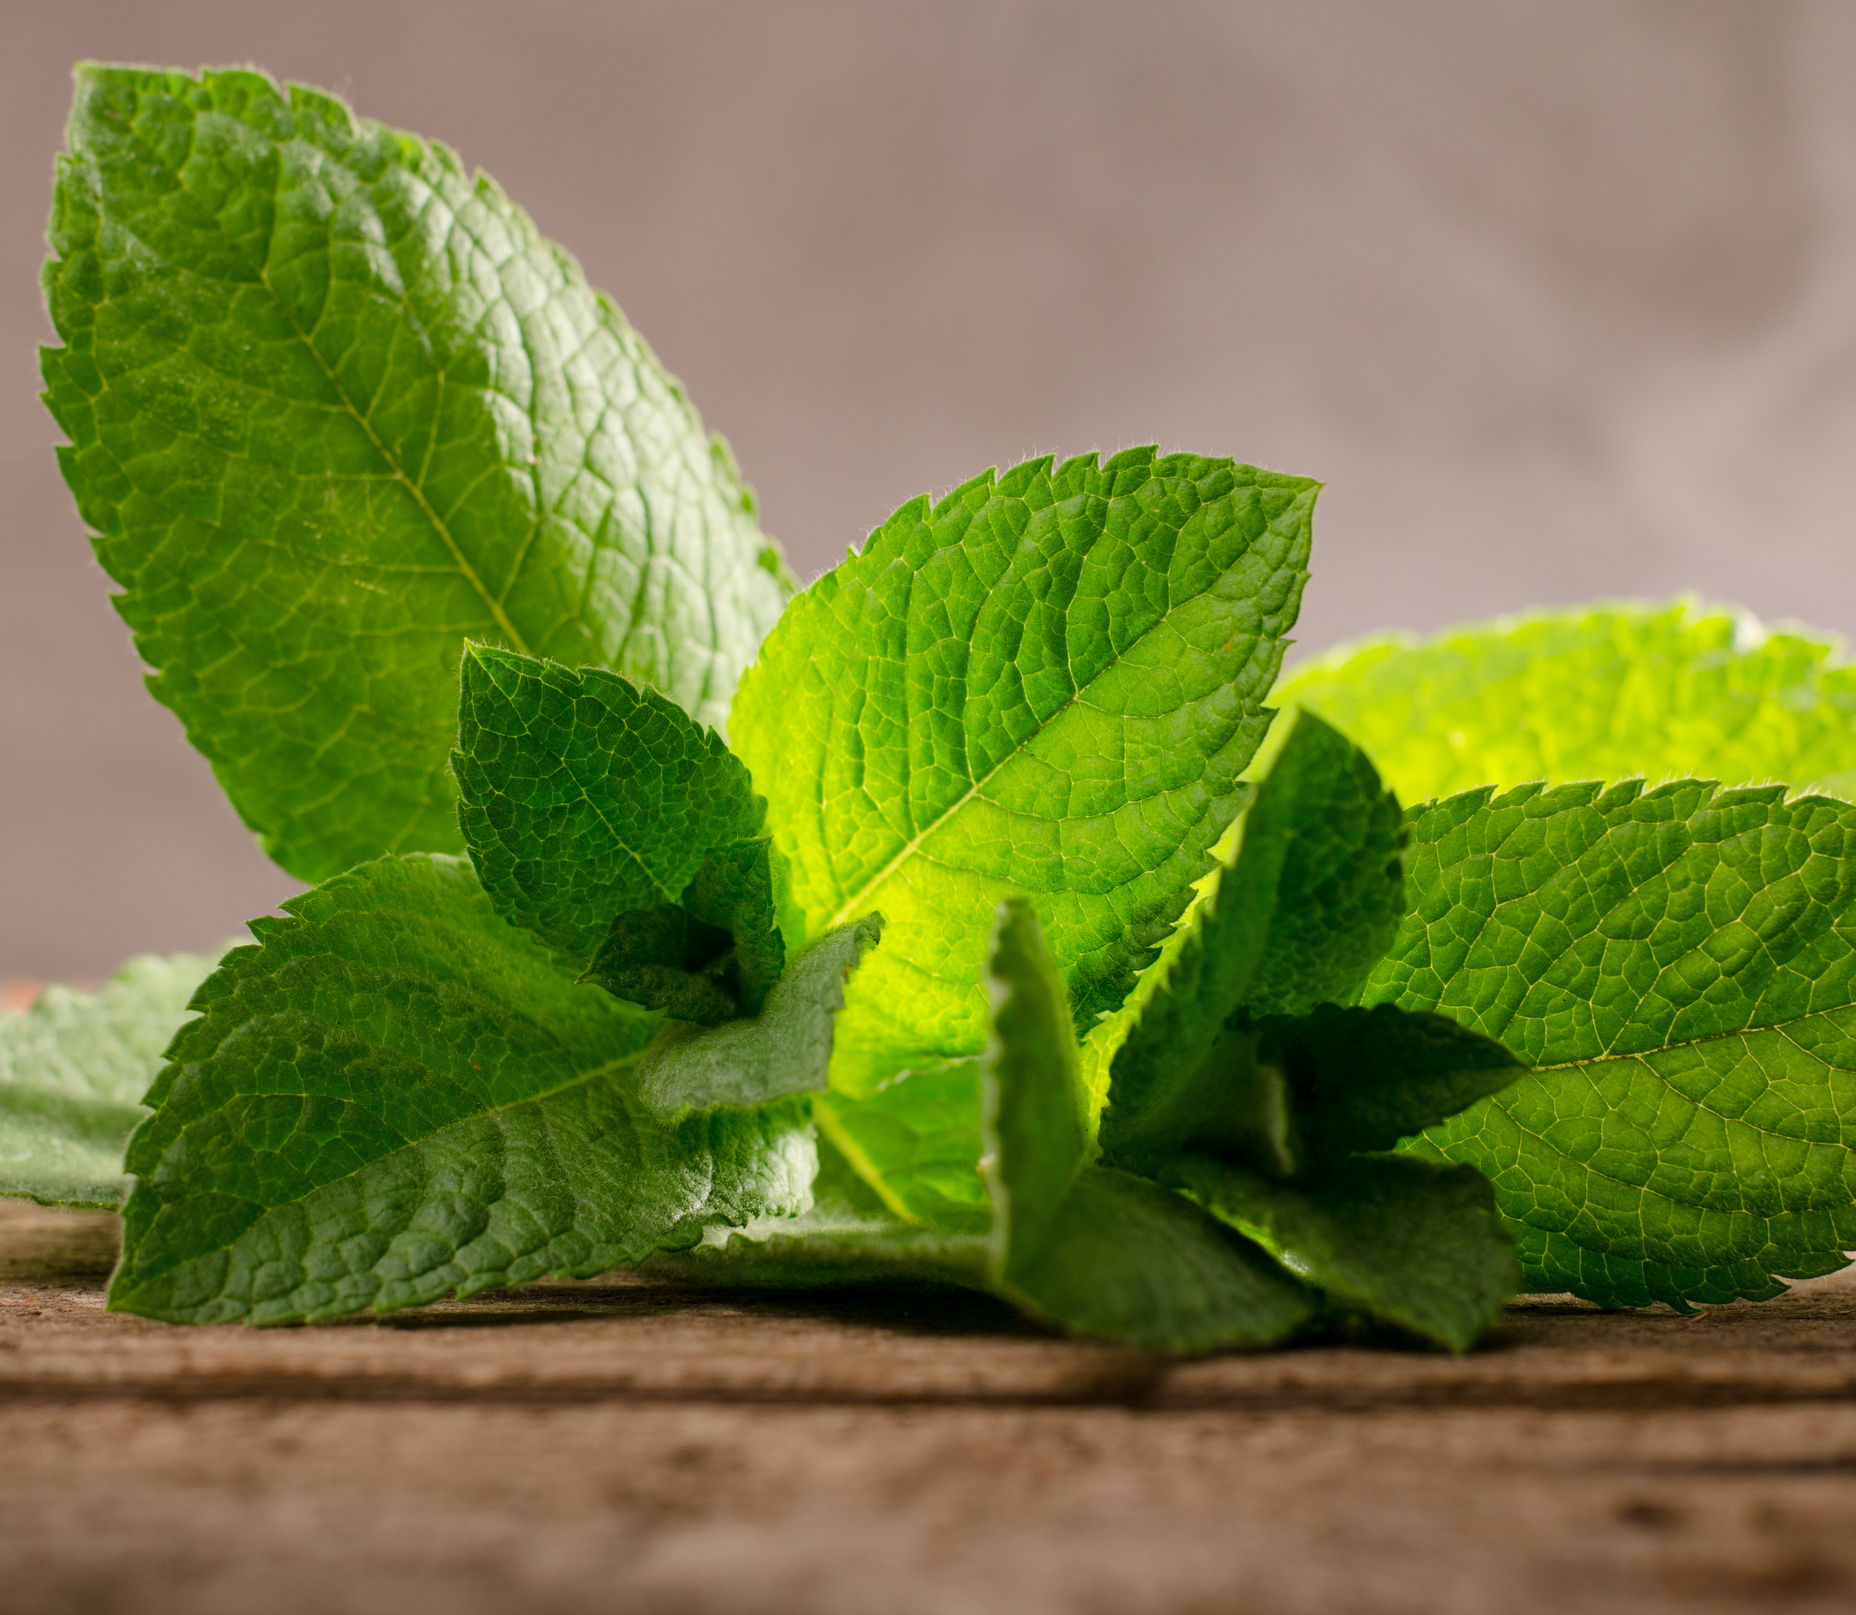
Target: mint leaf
1594	693
915	1144
73	1069
784	1050
1679	965
397	1094
733	892
1048	683
1088	1249
584	796
1127	1259
1033	1123
1309	900
1362	1079
1413	1243
334	407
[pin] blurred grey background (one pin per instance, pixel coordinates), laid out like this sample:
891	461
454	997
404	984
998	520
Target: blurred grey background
1557	296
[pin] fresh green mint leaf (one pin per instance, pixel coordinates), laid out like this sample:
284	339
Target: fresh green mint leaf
733	892
395	1095
73	1070
1034	1122
1130	1260
784	1050
1363	1079
1411	1242
1308	902
334	408
584	795
915	1144
1046	684
1679	966
1601	692
665	958
1088	1249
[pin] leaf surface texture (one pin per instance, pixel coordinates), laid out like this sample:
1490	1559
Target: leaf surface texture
1046	684
1679	965
334	407
397	1095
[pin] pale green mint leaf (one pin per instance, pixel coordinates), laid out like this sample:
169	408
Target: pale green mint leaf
1087	1249
1601	692
1363	1079
915	1144
1679	965
397	1095
1306	904
784	1050
73	1070
1127	1259
1034	1127
584	795
1413	1243
335	407
1047	684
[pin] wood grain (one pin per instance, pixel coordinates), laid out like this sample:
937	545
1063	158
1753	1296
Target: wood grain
631	1444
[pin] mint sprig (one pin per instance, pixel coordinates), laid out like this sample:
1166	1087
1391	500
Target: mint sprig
992	946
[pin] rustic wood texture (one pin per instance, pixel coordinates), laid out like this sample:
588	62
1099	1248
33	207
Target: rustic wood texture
634	1445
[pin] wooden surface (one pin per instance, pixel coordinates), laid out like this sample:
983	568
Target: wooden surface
625	1446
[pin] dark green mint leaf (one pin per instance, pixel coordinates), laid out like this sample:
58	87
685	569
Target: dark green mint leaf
1680	967
1362	1079
1048	683
1130	1260
1598	692
733	891
334	407
395	1095
1309	900
585	796
1411	1242
666	958
784	1050
73	1069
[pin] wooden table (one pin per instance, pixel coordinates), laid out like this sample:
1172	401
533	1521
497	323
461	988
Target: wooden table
628	1445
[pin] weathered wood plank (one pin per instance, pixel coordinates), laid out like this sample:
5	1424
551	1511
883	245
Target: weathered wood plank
633	1445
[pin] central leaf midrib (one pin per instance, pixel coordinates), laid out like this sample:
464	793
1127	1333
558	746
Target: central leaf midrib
491	603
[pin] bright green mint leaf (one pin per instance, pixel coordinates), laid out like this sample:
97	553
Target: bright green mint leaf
915	1143
1047	684
1600	692
73	1070
784	1050
584	796
1363	1079
335	407
1127	1259
1411	1242
1308	902
1679	965
1034	1122
397	1095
